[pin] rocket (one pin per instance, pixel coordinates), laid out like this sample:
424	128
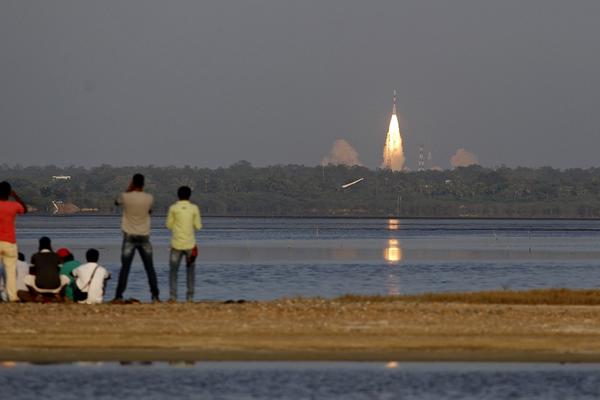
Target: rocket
393	152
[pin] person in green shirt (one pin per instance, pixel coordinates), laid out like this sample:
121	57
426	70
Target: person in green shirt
183	220
68	265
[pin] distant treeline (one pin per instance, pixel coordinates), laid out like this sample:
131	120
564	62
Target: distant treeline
295	190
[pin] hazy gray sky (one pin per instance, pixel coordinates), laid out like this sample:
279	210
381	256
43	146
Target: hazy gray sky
208	83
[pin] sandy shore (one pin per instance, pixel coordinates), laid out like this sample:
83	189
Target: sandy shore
301	329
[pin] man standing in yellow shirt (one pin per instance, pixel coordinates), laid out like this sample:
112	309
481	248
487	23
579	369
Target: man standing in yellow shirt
183	220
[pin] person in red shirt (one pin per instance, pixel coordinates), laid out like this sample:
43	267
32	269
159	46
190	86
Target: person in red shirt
8	240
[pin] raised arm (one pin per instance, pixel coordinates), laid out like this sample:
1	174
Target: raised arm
18	200
119	200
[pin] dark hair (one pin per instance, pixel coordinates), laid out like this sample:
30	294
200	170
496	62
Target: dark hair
21	256
68	257
45	243
92	255
138	181
5	190
184	193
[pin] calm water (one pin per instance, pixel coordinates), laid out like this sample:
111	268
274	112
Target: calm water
262	258
270	258
228	380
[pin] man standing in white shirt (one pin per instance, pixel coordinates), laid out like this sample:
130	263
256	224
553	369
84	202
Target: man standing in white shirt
90	279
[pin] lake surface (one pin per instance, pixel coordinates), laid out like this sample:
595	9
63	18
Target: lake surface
280	380
256	258
267	258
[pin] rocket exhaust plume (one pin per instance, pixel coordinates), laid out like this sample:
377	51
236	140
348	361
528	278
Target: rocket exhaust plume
393	152
342	153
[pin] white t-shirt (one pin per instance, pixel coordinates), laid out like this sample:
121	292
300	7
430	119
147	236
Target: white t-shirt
95	290
22	272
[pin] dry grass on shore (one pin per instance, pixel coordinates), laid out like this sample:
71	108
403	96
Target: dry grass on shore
529	297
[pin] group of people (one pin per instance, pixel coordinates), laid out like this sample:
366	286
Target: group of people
57	276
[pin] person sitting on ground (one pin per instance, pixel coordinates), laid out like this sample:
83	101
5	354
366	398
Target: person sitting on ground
90	279
44	280
22	271
68	265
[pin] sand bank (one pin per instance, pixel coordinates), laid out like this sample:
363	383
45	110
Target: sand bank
301	329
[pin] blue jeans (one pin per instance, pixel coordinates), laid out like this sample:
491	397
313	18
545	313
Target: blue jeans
143	246
174	261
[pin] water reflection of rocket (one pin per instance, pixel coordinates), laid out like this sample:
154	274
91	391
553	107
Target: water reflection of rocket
393	252
393	255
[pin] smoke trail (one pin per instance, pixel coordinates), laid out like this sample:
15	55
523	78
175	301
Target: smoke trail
463	158
342	153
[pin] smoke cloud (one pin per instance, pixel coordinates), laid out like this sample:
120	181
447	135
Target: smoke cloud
463	158
342	153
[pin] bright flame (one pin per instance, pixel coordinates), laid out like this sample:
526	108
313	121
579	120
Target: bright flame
393	253
393	153
393	224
